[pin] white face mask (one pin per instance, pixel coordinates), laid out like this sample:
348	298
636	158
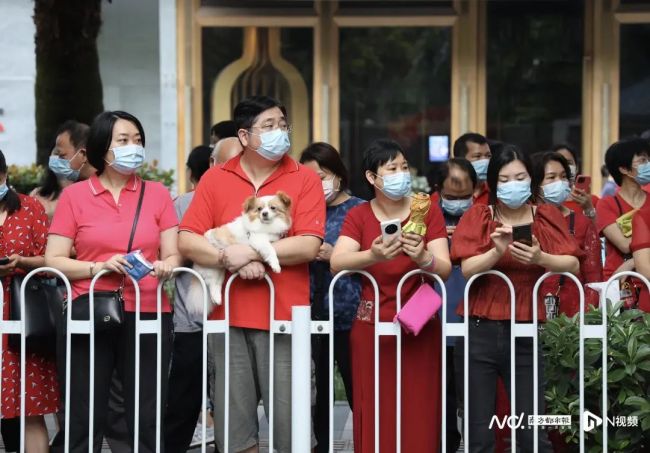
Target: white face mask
328	189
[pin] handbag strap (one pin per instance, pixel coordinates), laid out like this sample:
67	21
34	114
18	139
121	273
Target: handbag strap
137	216
572	231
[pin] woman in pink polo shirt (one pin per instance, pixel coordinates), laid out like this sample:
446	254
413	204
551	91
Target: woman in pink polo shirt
95	217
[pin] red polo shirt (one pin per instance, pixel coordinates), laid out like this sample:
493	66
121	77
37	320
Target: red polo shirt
483	196
219	199
100	228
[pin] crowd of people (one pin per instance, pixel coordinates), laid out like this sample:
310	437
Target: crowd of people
92	209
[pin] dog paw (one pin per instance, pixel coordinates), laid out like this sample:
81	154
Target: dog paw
275	267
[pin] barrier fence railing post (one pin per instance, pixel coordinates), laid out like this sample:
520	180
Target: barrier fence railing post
511	289
581	294
603	304
323	328
398	392
301	378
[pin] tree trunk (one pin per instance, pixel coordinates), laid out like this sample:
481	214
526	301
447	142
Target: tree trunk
68	83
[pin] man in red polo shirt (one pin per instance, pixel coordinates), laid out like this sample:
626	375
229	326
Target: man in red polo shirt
475	148
262	169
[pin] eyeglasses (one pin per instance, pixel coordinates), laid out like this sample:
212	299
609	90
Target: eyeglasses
271	127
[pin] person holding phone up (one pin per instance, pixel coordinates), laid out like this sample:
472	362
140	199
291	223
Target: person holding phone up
483	241
580	198
361	246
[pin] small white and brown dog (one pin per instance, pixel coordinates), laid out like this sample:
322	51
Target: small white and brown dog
264	220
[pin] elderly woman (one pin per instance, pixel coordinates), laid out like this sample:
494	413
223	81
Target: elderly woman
360	246
97	218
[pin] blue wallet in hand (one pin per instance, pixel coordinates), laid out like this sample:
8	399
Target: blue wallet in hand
140	267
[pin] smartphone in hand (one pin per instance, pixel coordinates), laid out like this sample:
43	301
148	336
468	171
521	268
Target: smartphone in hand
583	182
4	260
391	229
523	234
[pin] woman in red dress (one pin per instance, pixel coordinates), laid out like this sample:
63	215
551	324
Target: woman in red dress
483	241
551	185
360	246
23	230
640	247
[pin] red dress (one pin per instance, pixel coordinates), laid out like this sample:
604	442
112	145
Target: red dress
24	232
577	208
591	269
641	240
421	355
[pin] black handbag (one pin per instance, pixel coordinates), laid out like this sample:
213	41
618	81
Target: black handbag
43	301
109	305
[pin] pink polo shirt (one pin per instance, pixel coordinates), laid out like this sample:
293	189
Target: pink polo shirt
100	228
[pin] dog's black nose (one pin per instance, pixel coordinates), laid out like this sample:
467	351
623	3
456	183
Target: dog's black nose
265	214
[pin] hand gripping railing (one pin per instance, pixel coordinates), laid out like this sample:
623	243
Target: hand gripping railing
600	331
322	327
398	357
514	329
581	293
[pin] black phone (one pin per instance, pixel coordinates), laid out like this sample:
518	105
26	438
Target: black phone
523	234
4	260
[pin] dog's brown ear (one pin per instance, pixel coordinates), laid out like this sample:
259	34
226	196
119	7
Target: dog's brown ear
284	198
249	204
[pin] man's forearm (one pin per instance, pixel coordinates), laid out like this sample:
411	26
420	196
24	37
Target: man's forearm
297	249
197	249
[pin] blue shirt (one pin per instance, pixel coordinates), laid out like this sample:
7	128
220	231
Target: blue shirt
455	284
347	291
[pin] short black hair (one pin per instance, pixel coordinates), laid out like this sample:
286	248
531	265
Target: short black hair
327	157
11	200
50	185
101	135
250	108
378	153
539	169
442	172
78	132
570	148
621	154
199	161
460	145
224	129
508	153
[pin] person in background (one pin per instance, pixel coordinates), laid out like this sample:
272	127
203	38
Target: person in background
360	246
224	150
184	399
609	186
550	184
455	184
579	200
640	247
326	161
262	169
483	241
475	148
88	213
23	230
222	129
68	164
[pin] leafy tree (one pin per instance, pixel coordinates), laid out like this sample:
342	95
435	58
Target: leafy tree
68	83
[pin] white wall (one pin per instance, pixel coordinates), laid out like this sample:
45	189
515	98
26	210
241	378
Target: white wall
17	76
129	64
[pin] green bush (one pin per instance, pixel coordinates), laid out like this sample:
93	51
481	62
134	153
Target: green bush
151	172
628	376
25	178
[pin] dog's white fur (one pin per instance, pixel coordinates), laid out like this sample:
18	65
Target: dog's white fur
264	220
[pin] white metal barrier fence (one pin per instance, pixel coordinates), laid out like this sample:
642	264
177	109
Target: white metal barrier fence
301	327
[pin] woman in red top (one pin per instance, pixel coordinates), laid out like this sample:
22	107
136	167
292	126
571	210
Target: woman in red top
623	159
360	246
640	246
96	217
483	241
579	200
551	185
23	226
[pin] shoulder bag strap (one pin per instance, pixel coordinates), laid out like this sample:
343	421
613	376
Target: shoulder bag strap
137	216
572	231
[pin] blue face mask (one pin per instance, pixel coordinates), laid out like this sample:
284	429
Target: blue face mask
275	144
557	192
396	185
128	159
481	166
61	167
514	194
4	189
643	174
456	208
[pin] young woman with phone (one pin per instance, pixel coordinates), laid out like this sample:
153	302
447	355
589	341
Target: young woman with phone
360	246
483	241
551	185
580	198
